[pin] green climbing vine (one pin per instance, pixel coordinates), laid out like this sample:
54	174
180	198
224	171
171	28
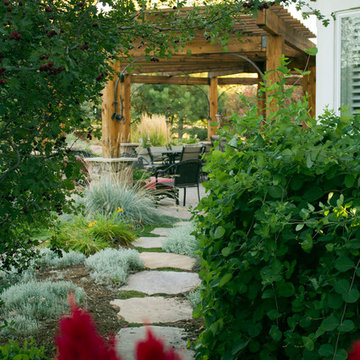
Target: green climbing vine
280	241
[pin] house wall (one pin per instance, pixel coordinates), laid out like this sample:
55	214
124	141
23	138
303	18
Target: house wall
326	69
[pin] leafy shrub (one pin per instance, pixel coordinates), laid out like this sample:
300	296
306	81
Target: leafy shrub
108	195
26	305
51	258
139	175
89	235
181	241
112	266
197	132
12	350
280	241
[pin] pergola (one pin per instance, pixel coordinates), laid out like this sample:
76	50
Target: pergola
264	39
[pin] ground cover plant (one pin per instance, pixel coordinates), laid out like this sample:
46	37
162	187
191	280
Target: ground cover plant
112	266
280	240
12	350
49	258
26	305
108	268
181	240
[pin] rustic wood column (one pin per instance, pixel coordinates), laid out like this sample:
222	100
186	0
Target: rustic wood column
125	95
309	85
213	103
274	50
110	143
115	130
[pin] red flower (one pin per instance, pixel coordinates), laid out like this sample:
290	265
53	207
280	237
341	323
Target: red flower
79	340
153	349
355	351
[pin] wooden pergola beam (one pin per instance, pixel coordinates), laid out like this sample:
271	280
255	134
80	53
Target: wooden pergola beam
274	25
175	80
182	68
200	46
226	72
178	80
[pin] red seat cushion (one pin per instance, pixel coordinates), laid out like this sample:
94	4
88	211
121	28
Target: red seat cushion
163	181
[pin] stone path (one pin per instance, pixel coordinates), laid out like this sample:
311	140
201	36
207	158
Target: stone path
172	336
162	282
156	260
164	302
149	242
153	310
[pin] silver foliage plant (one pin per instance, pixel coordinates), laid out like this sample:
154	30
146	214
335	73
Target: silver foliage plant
49	258
111	266
26	305
180	240
107	195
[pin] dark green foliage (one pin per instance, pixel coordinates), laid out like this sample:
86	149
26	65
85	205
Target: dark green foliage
12	350
55	55
280	241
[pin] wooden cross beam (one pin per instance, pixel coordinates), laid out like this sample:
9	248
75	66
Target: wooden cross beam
274	25
181	80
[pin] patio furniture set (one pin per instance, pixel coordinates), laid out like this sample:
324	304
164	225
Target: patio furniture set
172	168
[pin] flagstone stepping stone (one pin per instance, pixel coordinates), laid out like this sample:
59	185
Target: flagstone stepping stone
155	260
154	309
175	211
161	231
162	282
149	242
172	337
181	223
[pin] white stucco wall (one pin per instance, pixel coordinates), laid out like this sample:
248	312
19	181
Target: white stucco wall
326	71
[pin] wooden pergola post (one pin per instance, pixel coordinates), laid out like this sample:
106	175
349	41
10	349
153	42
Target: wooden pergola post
109	130
274	50
125	105
115	131
309	85
213	103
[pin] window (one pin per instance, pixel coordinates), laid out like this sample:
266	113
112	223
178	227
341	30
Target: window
348	57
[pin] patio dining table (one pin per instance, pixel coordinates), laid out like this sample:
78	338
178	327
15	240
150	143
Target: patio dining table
171	156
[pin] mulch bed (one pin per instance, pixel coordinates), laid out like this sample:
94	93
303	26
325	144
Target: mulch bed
97	303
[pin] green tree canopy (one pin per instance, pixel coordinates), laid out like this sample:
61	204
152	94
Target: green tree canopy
181	104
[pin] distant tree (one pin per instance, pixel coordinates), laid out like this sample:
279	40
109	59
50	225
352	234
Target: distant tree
182	105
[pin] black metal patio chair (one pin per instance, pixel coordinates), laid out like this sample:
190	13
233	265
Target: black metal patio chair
192	152
155	153
184	174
